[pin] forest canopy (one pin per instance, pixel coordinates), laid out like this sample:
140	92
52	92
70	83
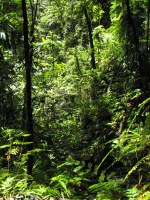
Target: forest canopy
75	99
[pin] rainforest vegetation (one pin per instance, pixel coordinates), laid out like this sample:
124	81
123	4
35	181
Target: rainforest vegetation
75	99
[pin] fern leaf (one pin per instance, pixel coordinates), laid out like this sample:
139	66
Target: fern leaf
137	165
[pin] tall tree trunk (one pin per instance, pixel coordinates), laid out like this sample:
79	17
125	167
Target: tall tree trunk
142	63
132	24
105	19
147	70
89	25
28	101
94	92
138	60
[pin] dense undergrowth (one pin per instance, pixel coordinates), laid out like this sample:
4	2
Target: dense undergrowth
90	85
74	179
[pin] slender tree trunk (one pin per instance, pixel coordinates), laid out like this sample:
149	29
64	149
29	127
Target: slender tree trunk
132	24
89	25
105	19
93	63
138	60
142	63
28	106
147	70
32	29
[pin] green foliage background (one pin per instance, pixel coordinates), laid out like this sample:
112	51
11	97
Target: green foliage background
91	126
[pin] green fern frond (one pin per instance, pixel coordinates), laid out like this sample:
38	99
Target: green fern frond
62	181
132	193
138	111
116	146
5	146
14	133
146	158
146	195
